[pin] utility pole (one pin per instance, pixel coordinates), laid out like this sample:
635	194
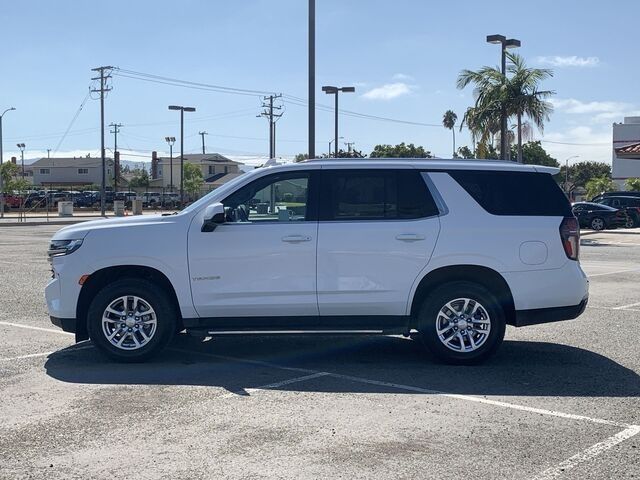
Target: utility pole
202	134
115	131
48	153
21	146
102	90
272	117
349	145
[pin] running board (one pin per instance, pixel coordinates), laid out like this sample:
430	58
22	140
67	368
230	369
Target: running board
209	333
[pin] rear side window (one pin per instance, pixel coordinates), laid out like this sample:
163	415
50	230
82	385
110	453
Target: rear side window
514	193
383	194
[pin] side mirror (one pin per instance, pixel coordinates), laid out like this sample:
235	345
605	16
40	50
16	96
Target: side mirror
213	216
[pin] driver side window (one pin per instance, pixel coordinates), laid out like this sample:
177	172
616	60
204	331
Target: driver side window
281	197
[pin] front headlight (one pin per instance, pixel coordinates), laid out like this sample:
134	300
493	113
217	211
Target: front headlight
58	248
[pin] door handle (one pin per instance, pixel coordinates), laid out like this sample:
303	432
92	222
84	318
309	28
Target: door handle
296	238
409	237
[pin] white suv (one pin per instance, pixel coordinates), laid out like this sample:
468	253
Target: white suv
451	251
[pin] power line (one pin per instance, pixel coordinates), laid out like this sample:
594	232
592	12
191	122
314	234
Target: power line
577	144
64	135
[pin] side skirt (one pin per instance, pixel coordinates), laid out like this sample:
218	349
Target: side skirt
383	324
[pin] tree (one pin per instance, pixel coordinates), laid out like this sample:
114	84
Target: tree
534	154
465	152
599	185
632	184
353	153
449	121
400	151
140	179
301	157
11	179
516	93
193	179
582	172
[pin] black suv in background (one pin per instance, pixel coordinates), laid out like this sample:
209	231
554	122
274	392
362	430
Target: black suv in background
597	216
630	204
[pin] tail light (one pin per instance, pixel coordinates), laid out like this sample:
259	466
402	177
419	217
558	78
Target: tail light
570	237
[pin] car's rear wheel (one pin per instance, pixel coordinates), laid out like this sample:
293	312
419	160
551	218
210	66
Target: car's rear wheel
597	223
131	320
461	323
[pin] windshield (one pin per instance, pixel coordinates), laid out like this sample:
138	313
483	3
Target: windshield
220	190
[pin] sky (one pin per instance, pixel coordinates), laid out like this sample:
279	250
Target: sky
403	57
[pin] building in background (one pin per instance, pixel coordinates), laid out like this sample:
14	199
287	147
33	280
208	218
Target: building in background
216	169
626	150
70	171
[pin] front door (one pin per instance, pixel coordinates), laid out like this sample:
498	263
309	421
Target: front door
377	231
262	260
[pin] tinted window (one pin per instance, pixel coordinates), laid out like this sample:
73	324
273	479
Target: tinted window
375	195
514	193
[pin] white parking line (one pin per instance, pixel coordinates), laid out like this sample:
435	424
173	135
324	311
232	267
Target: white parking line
41	329
410	388
612	273
625	307
589	453
274	385
44	354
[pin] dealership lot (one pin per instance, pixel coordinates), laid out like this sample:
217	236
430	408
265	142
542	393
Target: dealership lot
558	401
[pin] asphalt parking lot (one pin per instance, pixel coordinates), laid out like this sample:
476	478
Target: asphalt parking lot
558	401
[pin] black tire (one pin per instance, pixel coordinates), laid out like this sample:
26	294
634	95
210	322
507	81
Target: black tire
428	317
597	226
166	318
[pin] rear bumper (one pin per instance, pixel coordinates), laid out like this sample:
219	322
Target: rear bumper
547	315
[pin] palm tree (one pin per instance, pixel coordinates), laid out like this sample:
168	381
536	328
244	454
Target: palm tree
449	121
516	93
524	97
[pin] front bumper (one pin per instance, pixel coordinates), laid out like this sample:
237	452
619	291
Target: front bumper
547	315
66	324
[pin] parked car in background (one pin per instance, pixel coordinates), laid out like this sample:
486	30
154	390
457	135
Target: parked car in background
630	204
597	216
617	193
12	201
150	199
170	200
55	197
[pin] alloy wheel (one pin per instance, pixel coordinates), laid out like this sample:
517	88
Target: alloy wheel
129	322
463	325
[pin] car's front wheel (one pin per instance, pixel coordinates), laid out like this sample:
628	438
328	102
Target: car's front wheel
461	323
131	320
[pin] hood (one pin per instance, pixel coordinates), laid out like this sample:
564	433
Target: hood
81	229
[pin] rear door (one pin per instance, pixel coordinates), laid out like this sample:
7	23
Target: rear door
377	231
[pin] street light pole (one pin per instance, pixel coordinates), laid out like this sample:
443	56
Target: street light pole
182	110
1	158
504	45
329	90
312	80
331	141
170	141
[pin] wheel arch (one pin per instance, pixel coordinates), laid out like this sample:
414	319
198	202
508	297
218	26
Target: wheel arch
485	276
102	277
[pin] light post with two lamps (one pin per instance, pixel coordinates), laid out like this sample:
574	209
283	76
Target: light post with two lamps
329	90
182	110
505	44
21	146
